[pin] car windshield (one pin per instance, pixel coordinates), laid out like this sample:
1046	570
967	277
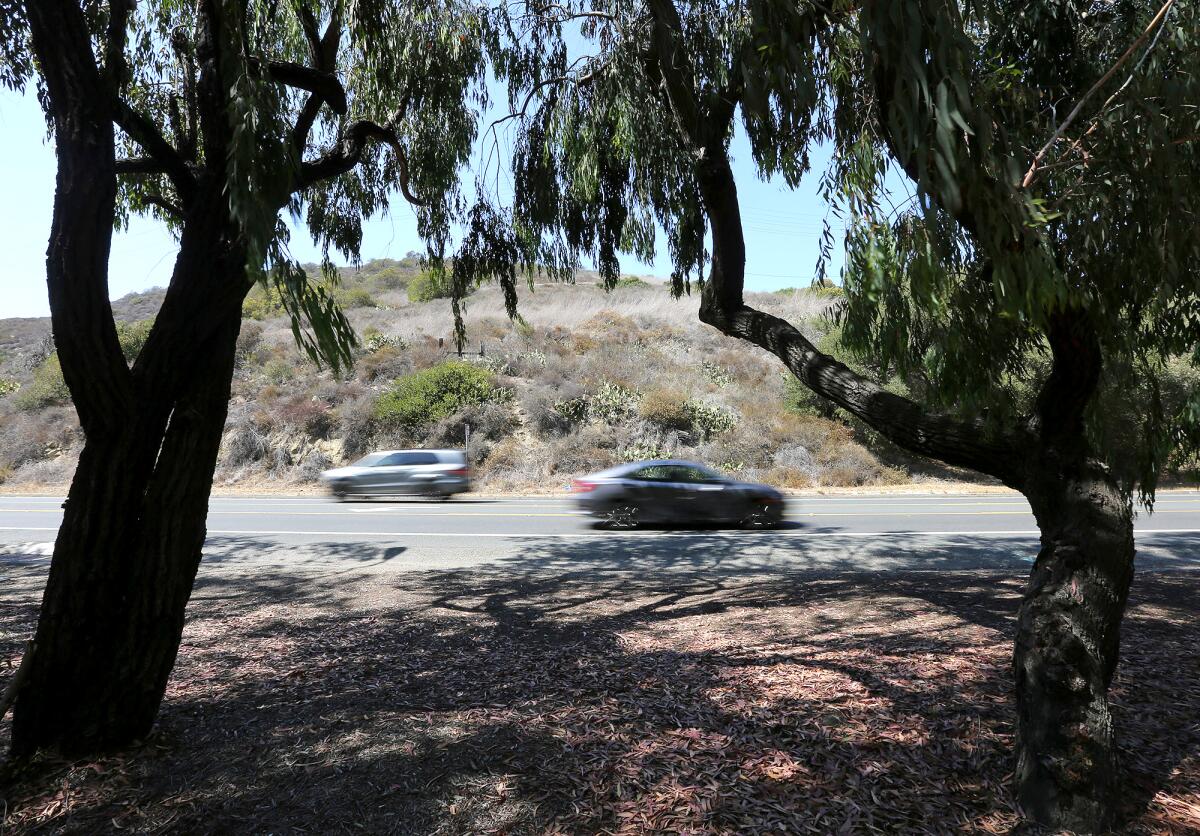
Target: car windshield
369	461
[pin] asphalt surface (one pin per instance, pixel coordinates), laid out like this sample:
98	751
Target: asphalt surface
862	533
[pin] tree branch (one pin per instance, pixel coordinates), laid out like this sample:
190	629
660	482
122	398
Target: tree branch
570	14
1141	39
165	205
348	153
904	422
80	102
308	22
146	134
1074	376
324	50
324	85
133	166
115	68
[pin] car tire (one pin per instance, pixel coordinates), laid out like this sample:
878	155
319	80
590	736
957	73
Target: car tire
760	516
622	516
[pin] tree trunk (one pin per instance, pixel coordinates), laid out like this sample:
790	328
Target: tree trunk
1067	648
123	568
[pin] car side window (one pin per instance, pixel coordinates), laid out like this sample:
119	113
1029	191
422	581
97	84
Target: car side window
689	474
408	459
700	474
653	473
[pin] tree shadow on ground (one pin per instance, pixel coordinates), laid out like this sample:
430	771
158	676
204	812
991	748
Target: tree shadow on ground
609	685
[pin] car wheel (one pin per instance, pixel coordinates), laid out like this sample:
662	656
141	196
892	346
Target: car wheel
760	516
340	495
623	516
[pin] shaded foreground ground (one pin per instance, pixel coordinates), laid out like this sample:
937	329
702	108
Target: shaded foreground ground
487	702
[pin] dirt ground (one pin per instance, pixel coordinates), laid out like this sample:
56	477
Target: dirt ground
473	703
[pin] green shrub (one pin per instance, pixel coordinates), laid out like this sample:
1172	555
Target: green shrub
132	336
631	281
573	410
8	386
279	370
389	278
708	420
715	373
261	303
46	388
666	408
354	297
641	451
612	402
373	340
426	396
672	410
429	285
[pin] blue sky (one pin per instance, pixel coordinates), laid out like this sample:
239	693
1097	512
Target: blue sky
782	227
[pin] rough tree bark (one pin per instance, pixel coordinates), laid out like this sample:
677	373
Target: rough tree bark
129	545
124	564
1067	643
1067	648
133	528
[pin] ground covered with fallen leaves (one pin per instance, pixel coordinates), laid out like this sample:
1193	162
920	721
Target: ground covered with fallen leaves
472	703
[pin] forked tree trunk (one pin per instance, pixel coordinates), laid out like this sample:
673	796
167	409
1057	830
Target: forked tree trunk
1067	648
124	563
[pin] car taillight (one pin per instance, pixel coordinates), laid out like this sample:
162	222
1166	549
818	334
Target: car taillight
461	471
580	486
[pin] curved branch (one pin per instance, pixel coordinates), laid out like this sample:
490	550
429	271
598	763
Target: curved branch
348	153
308	22
323	49
165	205
146	134
1141	39
1077	361
324	85
115	67
571	14
134	166
902	421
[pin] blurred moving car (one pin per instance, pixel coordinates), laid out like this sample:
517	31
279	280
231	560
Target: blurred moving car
674	491
436	473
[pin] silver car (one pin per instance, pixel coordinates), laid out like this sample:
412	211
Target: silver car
435	473
675	491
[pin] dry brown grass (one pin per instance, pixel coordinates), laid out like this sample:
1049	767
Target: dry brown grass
576	341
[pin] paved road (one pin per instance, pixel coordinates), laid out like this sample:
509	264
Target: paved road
910	532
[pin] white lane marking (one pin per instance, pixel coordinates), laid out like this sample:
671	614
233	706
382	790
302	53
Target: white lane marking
414	513
685	533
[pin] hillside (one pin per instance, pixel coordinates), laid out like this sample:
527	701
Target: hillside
586	379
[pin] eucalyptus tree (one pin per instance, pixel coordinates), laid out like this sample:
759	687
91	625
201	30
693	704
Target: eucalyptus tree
214	116
1047	244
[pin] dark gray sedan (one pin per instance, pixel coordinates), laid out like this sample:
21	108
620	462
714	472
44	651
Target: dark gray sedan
675	491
